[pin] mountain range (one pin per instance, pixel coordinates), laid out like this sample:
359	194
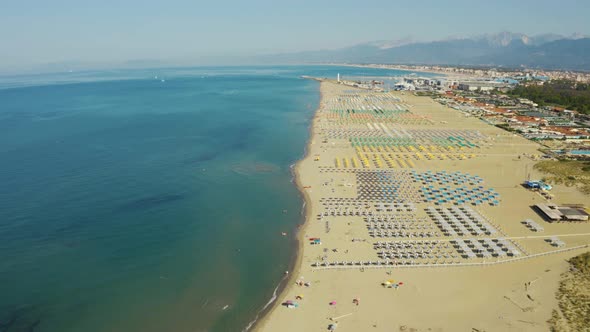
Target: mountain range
505	49
501	50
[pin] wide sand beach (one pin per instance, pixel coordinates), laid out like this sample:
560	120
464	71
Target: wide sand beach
414	223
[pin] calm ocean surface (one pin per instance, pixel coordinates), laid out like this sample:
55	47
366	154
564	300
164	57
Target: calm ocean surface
128	203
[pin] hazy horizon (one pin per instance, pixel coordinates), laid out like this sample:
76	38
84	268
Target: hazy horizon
66	33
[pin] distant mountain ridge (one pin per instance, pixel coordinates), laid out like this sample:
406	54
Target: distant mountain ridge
504	49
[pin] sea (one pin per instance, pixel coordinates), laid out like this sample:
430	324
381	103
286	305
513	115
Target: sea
151	199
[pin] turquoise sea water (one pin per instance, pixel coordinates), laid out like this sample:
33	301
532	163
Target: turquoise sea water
135	203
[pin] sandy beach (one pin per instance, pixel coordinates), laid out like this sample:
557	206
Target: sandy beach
414	223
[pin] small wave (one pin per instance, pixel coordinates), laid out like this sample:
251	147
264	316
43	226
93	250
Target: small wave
274	293
272	299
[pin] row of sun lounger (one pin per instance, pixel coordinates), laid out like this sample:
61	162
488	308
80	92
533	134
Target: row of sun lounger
402	234
397	226
532	225
472	248
460	221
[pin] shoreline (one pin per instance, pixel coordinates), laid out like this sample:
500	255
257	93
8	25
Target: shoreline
418	71
295	268
426	71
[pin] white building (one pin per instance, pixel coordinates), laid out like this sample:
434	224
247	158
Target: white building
481	86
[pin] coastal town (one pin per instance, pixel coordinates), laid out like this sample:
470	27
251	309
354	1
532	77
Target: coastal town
489	73
428	190
562	132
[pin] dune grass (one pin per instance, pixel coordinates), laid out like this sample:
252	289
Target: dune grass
573	313
567	172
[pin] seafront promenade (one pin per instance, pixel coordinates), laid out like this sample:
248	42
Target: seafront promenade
416	220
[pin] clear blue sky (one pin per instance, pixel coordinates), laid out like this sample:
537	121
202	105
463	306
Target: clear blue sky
36	32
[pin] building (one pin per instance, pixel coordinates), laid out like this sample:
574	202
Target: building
552	212
402	86
481	86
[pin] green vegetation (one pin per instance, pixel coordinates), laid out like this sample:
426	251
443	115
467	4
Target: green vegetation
568	94
505	127
582	263
573	297
567	172
427	94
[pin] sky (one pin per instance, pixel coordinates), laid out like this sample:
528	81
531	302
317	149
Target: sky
37	32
